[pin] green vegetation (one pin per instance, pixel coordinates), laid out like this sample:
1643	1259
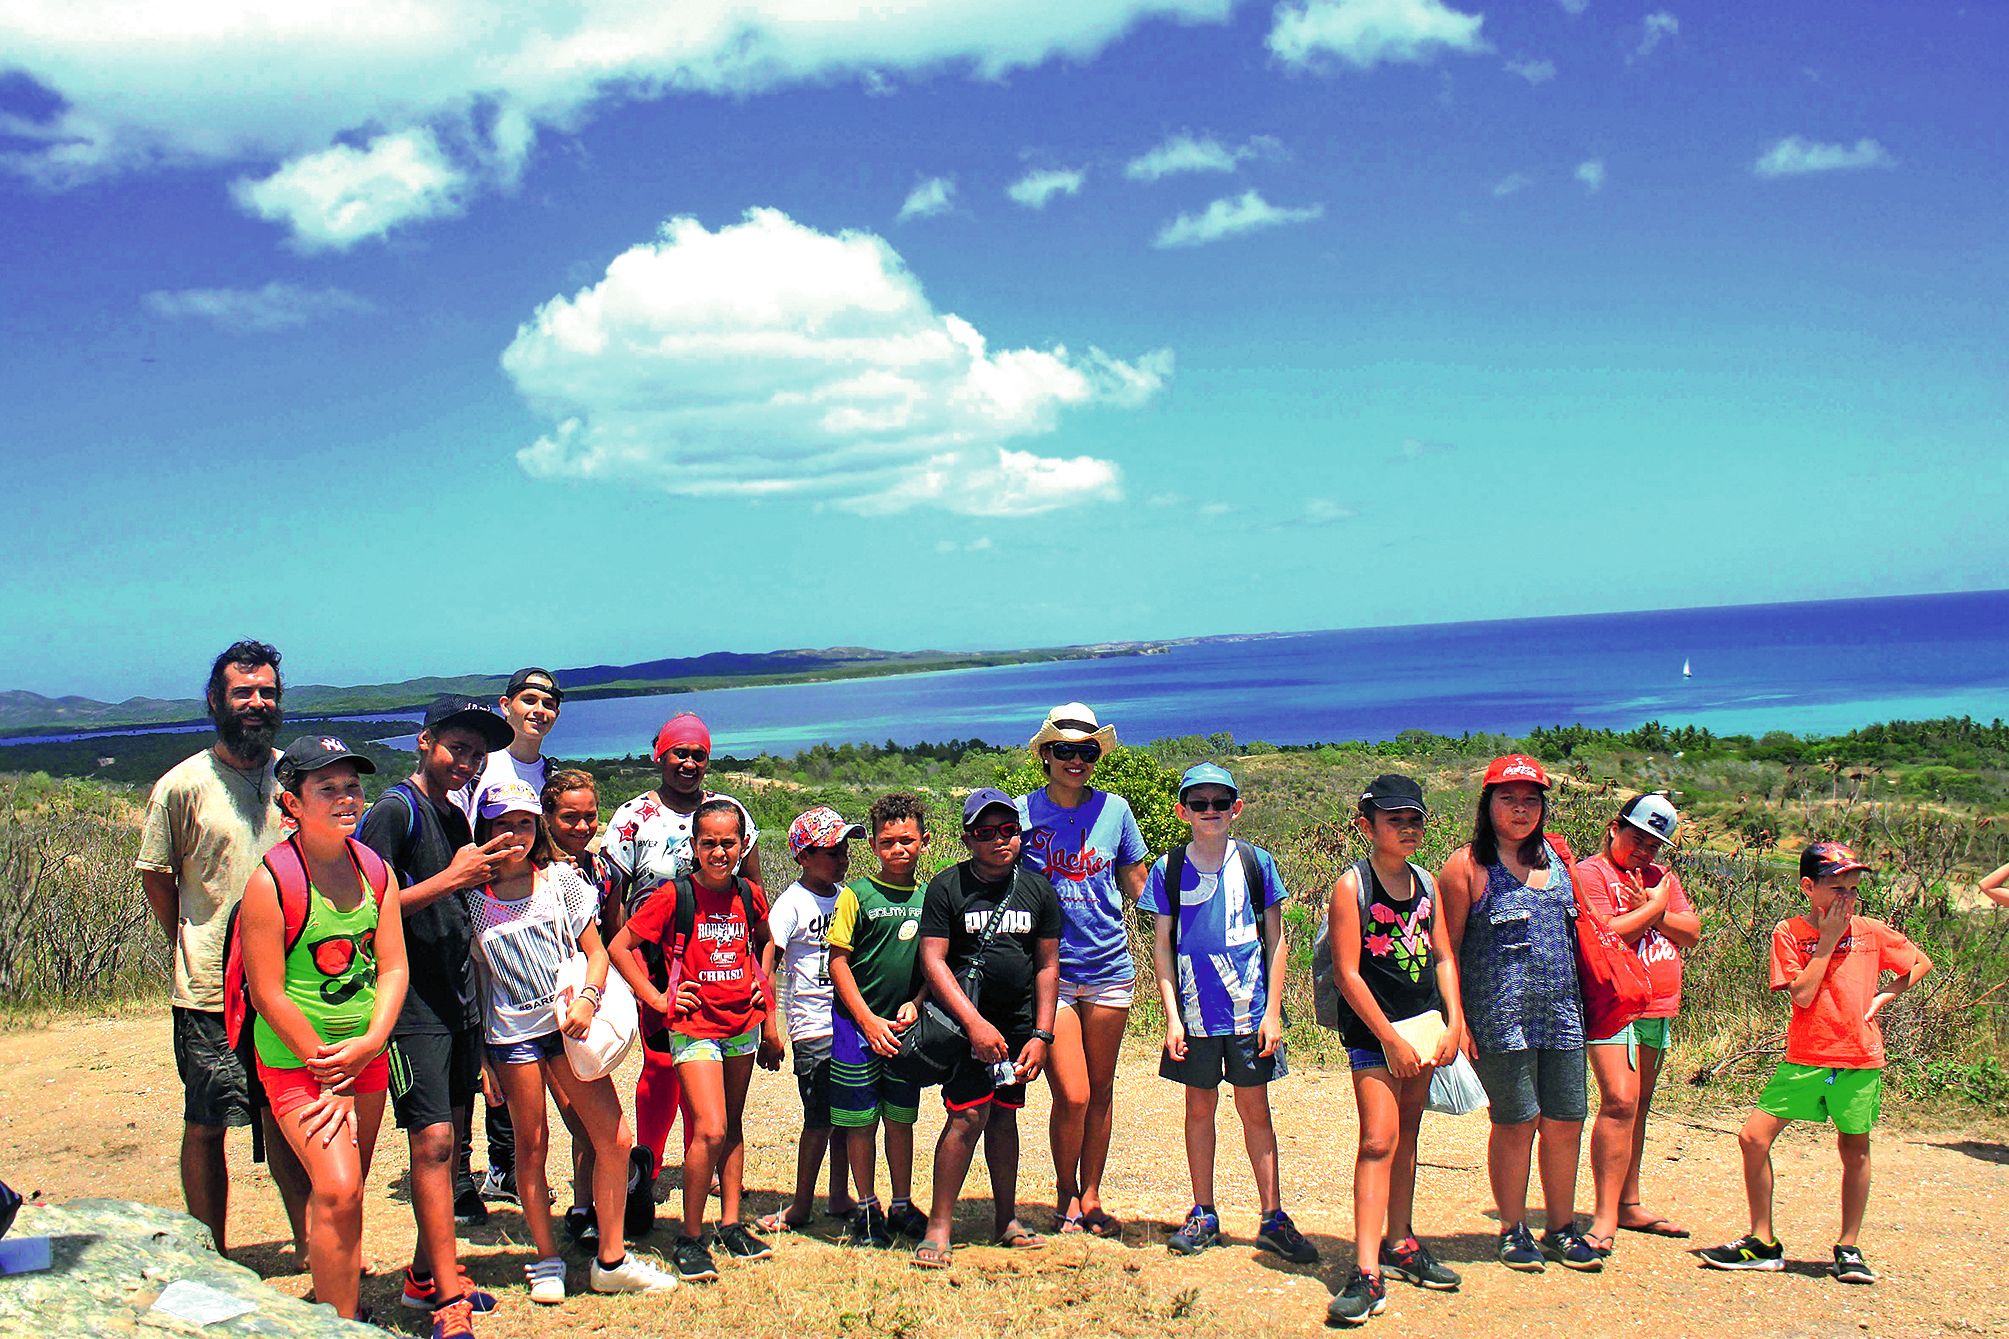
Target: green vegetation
1917	800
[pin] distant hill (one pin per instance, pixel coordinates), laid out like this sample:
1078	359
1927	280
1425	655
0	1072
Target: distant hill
23	712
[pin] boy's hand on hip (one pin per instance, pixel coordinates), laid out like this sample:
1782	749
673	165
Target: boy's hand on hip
1877	1002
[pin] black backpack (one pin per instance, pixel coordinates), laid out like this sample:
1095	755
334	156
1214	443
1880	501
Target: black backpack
1252	881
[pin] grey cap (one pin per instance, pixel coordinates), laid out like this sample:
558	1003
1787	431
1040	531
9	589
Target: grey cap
1653	814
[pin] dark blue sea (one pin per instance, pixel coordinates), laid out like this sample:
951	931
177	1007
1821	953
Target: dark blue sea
1816	668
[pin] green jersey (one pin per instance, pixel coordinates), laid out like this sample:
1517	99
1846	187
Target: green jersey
879	924
331	974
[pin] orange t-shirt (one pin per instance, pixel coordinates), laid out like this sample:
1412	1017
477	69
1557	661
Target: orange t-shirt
1831	1032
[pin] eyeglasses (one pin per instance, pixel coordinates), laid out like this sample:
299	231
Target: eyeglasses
690	755
1218	805
991	832
1087	752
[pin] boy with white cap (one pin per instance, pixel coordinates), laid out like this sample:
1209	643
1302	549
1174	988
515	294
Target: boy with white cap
798	932
1220	965
1646	906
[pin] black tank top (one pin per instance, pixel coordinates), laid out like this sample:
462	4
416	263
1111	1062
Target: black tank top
1395	957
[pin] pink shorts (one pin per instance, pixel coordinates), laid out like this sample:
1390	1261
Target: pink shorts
290	1089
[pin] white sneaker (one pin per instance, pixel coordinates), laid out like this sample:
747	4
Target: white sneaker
632	1275
547	1280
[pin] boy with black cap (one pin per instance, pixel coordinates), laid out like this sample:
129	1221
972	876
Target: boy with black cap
435	1050
530	703
1831	963
1219	955
989	918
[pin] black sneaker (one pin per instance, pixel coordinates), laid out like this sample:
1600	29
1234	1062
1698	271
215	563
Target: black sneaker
1203	1229
1850	1267
1364	1295
693	1262
870	1226
468	1210
583	1225
1518	1250
1746	1253
1412	1262
639	1217
907	1221
1568	1248
1280	1234
740	1244
498	1185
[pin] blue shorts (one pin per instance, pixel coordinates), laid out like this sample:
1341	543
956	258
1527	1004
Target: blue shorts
527	1052
1362	1057
862	1088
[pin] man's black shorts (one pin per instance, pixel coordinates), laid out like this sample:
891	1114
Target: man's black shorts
433	1075
215	1089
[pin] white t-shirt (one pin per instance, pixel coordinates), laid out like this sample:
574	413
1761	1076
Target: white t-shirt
800	922
646	844
502	766
520	945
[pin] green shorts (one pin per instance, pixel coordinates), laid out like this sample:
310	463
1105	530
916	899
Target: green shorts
684	1049
1849	1097
1655	1033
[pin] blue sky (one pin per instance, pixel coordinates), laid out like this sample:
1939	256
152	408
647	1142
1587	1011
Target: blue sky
437	342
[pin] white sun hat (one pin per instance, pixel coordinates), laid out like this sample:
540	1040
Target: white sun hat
1073	722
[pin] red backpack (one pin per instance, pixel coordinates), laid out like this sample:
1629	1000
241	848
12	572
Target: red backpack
288	868
1616	988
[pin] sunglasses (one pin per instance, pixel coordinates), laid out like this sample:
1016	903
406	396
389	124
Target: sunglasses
1087	752
1217	805
990	832
690	755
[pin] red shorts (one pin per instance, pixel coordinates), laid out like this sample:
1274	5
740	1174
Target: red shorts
290	1089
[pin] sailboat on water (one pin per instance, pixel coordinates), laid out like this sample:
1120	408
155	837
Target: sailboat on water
1686	672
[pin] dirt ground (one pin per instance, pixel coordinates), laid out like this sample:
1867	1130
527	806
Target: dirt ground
93	1108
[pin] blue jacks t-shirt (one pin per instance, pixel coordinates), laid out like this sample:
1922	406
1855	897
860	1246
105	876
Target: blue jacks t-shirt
1222	990
1078	851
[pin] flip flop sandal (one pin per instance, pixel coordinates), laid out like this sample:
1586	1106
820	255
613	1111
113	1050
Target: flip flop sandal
776	1223
930	1256
1066	1224
1100	1224
1021	1239
1657	1227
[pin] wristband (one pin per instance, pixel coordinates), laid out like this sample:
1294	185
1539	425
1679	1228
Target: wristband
1041	1034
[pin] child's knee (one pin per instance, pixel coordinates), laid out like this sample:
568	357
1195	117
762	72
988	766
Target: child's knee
1377	1145
1854	1148
1755	1137
1253	1106
433	1146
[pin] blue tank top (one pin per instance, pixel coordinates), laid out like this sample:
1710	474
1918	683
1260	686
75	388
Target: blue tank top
1517	967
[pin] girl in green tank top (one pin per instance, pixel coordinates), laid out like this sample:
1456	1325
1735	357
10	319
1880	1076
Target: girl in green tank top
326	1006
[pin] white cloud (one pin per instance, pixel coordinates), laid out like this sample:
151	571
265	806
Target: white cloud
1366	33
936	195
1796	155
341	196
1231	216
1418	448
1659	26
1511	184
1316	512
1035	188
1591	173
1574	6
769	358
1184	152
255	311
1216	509
1165	500
253	85
981	544
1534	71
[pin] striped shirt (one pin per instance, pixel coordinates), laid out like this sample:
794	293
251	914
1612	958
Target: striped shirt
519	946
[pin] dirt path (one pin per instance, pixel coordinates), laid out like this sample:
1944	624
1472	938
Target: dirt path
93	1109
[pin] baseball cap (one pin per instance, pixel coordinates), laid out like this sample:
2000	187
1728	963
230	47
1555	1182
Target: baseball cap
683	729
531	676
1822	859
508	797
464	712
821	826
1516	767
1653	814
310	753
1206	774
1392	790
986	798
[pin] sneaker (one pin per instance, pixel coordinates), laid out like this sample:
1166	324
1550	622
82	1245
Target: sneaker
1746	1253
582	1225
639	1218
1850	1267
740	1244
423	1294
468	1210
871	1227
498	1184
1411	1261
455	1320
1280	1234
547	1280
907	1221
694	1264
1364	1295
1518	1250
1203	1229
1568	1248
632	1275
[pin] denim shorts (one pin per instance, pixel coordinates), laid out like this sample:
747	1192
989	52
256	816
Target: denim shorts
1521	1085
528	1051
1365	1057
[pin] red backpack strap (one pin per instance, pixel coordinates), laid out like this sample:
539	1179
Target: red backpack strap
1557	840
288	869
375	870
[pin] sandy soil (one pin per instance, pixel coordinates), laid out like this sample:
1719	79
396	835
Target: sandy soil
93	1109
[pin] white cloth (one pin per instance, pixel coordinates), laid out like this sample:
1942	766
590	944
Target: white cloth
800	923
